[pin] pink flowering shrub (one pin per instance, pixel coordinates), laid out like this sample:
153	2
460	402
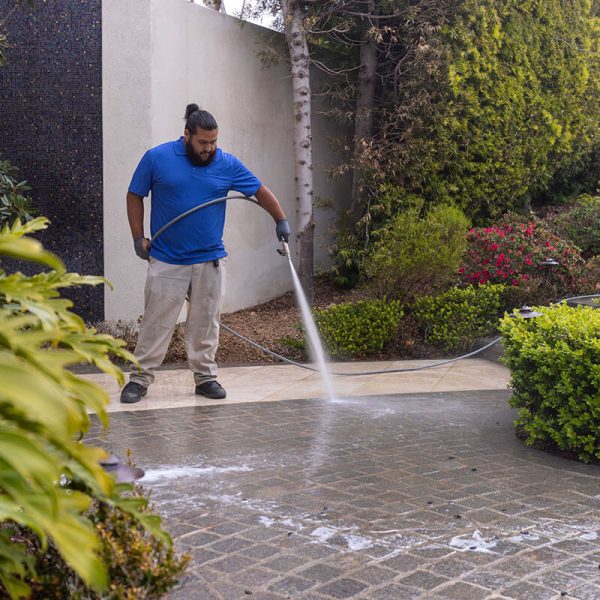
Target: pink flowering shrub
511	251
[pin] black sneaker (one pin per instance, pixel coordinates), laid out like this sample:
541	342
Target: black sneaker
211	389
133	392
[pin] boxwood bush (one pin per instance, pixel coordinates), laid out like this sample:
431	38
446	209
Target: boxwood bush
555	375
455	319
356	329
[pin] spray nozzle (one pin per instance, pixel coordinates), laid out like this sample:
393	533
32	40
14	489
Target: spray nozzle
284	250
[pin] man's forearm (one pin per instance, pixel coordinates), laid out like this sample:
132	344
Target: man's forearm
269	202
135	214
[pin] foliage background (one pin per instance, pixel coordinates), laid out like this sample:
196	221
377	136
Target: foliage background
497	109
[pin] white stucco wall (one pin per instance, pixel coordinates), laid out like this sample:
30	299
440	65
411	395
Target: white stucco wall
158	56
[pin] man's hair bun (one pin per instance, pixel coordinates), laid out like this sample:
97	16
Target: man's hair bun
189	109
195	117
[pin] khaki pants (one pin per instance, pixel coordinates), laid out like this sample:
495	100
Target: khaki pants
164	295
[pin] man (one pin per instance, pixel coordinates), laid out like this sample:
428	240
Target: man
189	256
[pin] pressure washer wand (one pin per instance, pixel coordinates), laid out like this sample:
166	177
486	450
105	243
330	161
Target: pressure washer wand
284	250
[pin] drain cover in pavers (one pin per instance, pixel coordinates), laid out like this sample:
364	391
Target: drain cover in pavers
410	496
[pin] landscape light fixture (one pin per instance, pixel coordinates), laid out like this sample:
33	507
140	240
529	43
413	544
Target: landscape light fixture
526	312
120	471
549	262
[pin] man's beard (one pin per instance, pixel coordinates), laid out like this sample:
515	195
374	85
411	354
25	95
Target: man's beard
196	158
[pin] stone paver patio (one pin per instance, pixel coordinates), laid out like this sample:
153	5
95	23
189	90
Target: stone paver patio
419	495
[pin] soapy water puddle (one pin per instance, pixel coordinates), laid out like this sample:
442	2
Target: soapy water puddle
320	528
169	473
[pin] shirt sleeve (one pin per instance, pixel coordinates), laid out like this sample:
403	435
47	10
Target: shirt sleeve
141	182
244	180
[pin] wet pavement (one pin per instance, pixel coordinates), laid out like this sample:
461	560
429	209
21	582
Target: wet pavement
387	497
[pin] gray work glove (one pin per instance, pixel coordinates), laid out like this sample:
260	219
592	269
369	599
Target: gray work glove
141	246
282	230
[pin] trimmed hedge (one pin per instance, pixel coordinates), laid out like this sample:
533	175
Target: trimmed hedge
355	329
555	375
455	319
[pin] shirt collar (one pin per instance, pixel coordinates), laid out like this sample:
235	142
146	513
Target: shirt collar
180	147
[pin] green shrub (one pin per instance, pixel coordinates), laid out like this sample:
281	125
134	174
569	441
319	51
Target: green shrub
44	410
292	343
455	319
580	224
355	329
555	375
416	255
139	564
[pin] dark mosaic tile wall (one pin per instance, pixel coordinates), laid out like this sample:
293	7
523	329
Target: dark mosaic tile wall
51	127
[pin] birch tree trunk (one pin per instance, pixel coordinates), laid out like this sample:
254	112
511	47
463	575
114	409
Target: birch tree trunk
299	58
363	120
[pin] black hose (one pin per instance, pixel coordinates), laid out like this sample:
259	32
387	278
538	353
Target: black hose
196	208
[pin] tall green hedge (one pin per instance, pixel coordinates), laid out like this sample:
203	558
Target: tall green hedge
496	108
519	101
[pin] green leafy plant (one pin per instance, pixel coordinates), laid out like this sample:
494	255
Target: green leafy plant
355	329
43	414
554	362
579	223
125	330
455	319
295	344
139	564
518	103
13	202
128	331
416	254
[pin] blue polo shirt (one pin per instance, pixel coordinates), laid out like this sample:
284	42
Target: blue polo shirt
177	185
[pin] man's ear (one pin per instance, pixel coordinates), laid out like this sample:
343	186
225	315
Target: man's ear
186	135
